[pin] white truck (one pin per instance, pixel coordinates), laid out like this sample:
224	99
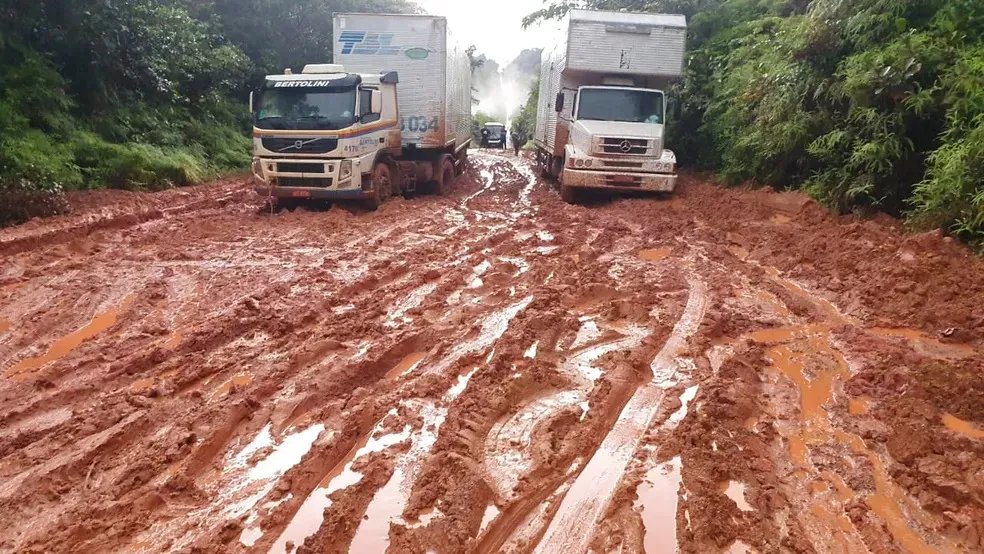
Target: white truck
391	115
601	112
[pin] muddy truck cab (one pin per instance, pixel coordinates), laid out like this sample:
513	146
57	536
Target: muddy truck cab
394	117
325	134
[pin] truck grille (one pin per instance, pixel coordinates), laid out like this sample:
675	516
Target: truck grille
300	146
625	147
319	182
295	167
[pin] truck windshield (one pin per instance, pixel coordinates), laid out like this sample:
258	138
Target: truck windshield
306	109
612	104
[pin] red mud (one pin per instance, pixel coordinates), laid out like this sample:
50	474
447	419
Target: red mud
493	371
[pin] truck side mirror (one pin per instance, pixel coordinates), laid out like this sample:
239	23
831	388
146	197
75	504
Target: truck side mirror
559	102
376	103
251	102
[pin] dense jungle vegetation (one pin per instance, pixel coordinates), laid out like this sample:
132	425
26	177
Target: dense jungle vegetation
865	104
140	93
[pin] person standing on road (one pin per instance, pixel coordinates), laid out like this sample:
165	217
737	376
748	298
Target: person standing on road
485	137
515	141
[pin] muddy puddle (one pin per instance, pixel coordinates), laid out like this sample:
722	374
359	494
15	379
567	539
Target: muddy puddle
965	428
659	495
63	346
407	365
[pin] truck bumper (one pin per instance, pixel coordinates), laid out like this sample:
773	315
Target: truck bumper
312	193
579	178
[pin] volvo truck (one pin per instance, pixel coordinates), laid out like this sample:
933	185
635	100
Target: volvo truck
391	116
601	117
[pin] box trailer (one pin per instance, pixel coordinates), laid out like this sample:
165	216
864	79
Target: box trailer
435	74
602	110
392	113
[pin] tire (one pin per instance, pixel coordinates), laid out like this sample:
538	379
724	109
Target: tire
382	185
444	174
568	194
459	168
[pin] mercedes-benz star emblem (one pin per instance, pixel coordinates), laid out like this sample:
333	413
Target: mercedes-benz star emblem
625	146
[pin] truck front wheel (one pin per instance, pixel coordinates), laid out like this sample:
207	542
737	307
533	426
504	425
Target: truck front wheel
382	185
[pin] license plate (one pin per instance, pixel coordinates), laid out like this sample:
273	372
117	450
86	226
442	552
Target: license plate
300	193
623	179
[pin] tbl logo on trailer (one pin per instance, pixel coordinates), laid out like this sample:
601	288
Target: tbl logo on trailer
368	43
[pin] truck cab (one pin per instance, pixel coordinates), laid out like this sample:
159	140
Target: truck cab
323	134
616	139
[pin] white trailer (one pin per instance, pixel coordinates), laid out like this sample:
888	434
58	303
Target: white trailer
435	74
393	112
602	110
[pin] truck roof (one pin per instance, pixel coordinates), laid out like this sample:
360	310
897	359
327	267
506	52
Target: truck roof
631	18
417	15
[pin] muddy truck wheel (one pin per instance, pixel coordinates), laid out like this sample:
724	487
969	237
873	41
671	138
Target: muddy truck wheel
568	194
382	185
444	172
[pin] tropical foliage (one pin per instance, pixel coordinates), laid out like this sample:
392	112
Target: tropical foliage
865	104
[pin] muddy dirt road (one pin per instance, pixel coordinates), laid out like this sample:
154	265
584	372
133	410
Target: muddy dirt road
496	371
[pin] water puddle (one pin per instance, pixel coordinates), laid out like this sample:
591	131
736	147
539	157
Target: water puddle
66	344
250	535
239	381
389	501
658	499
857	406
285	455
928	346
491	512
545	236
735	490
655	254
310	516
531	351
406	365
965	428
585	502
685	399
890	504
809	360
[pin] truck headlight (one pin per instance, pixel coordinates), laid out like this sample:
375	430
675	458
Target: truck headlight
345	169
257	167
578	163
587	163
